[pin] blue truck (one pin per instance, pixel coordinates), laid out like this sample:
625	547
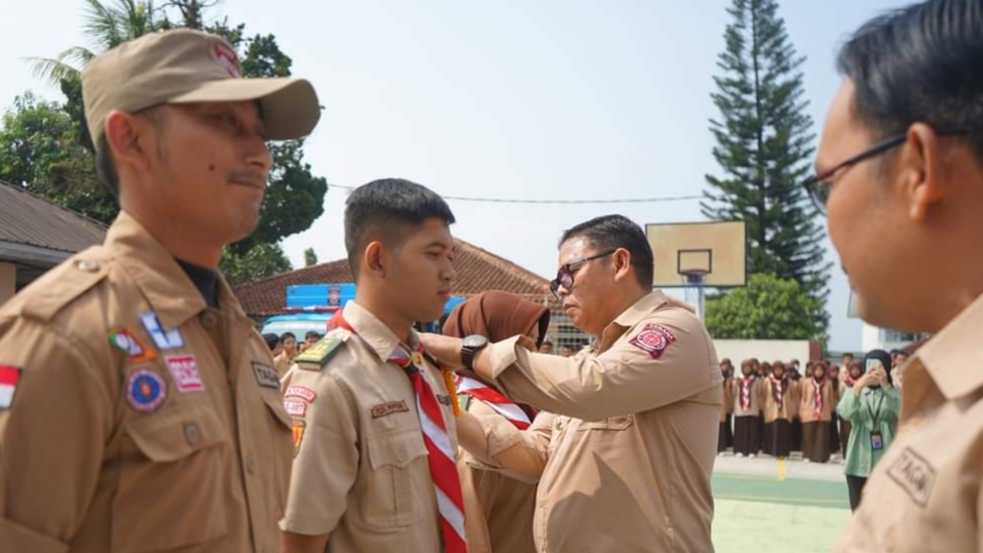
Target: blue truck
310	307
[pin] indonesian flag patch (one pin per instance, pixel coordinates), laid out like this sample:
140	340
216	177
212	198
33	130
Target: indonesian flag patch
653	339
9	376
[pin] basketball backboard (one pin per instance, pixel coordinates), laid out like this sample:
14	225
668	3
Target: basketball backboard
717	250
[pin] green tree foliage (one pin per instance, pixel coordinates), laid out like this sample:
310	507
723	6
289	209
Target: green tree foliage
310	258
769	308
260	261
764	148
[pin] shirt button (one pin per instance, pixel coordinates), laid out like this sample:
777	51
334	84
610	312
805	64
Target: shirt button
192	434
401	456
87	265
250	464
209	319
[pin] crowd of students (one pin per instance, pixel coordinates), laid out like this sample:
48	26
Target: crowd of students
775	408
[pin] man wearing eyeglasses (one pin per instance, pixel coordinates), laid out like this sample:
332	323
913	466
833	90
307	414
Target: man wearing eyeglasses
911	103
626	463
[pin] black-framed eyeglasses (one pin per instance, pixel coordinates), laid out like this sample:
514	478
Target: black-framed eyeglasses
566	274
819	187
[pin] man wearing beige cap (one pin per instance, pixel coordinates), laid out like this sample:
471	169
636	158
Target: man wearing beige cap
139	409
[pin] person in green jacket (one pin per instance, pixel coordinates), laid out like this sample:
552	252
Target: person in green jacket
872	409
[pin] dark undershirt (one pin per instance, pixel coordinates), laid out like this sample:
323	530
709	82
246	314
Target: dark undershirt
205	280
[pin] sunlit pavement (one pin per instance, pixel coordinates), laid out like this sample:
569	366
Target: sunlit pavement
764	505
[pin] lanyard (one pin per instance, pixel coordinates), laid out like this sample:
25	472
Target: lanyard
874	416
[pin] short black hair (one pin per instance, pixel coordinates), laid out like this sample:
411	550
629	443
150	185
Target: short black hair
548	343
312	334
285	335
920	63
383	210
617	231
106	167
272	340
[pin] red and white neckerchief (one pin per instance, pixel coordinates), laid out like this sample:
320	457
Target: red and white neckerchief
819	397
746	392
778	390
495	399
440	454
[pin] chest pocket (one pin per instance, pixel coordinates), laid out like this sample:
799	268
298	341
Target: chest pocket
621	422
394	494
176	479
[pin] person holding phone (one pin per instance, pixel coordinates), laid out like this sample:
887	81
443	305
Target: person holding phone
872	408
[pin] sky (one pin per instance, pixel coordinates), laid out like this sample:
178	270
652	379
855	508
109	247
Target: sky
545	100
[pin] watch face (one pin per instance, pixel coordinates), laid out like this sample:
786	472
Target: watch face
474	341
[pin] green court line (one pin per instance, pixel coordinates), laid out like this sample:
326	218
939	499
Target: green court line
791	491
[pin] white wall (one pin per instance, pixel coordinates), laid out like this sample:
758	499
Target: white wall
8	281
763	350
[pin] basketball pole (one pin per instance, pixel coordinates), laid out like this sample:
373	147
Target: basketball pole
696	280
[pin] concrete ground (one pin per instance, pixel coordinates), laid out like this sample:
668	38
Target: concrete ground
764	505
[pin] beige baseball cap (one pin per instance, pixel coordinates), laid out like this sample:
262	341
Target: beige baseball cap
185	66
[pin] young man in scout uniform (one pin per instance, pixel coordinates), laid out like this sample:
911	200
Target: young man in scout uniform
141	411
626	464
900	175
374	428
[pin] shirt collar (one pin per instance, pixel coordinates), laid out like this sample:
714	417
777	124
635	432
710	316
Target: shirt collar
379	337
168	289
953	357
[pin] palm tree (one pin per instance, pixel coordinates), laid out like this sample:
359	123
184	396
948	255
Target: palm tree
108	25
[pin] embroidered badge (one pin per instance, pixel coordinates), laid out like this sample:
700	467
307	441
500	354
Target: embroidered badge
227	58
299	427
389	408
170	339
184	369
915	476
295	408
129	343
9	376
302	392
445	400
653	339
266	375
145	391
319	353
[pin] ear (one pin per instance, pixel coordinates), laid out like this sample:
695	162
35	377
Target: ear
374	260
127	137
921	171
621	260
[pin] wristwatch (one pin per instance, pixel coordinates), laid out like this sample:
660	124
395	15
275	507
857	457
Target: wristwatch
470	346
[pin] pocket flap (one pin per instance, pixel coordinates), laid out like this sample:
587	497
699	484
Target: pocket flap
168	437
396	449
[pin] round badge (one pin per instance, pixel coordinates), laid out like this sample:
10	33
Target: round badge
653	339
146	391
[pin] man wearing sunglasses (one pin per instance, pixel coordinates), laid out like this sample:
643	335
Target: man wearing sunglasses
911	104
626	463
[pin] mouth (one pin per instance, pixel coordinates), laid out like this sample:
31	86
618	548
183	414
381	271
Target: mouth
444	295
253	185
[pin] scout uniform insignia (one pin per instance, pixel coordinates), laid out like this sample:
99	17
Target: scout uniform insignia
319	353
9	376
129	343
302	392
266	375
653	339
298	427
184	369
170	339
145	391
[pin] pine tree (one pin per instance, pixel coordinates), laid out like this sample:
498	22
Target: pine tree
764	149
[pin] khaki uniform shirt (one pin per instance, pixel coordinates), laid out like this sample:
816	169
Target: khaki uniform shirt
772	411
180	443
626	464
807	401
727	408
925	495
361	471
757	399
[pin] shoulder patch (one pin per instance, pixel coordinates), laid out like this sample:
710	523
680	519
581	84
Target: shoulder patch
316	356
65	283
654	339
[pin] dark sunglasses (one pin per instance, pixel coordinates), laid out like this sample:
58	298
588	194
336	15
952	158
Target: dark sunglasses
564	276
819	187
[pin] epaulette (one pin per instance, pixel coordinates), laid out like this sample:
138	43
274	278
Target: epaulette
316	357
63	284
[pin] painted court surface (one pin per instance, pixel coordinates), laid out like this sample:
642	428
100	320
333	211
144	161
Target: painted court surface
759	512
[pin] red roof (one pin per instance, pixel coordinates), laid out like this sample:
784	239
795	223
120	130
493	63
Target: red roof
477	271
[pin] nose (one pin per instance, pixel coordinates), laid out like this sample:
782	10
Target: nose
258	155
